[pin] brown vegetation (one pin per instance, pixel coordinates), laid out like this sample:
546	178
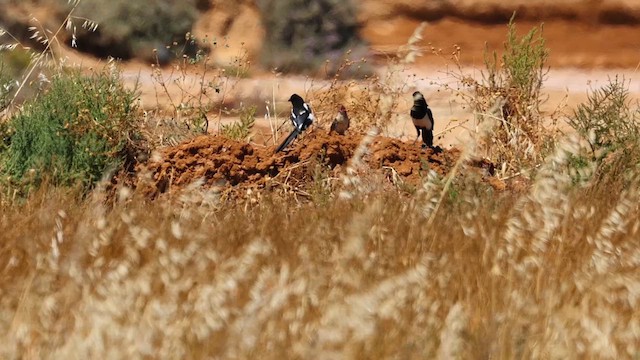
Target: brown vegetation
356	246
468	275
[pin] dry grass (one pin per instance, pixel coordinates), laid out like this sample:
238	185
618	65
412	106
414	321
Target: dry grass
371	102
550	273
454	271
509	124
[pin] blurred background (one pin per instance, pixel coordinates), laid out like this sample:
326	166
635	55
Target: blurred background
298	35
274	47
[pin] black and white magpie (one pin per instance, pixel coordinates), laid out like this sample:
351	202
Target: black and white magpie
340	123
422	118
301	118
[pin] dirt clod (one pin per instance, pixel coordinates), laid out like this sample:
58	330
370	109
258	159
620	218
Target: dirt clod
221	161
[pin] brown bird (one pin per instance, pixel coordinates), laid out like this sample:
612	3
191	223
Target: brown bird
341	122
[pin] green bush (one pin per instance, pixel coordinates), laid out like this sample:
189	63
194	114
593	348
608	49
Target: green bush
241	130
303	35
134	28
13	62
78	129
6	87
509	96
607	120
610	124
5	136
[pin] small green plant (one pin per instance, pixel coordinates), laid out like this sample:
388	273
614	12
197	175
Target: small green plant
579	168
320	188
239	66
78	129
6	87
241	130
610	125
194	94
517	80
509	98
607	120
5	136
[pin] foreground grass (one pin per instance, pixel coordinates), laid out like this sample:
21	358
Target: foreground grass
550	273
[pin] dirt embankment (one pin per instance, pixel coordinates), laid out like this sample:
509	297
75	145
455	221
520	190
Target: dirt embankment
580	33
498	11
583	34
223	162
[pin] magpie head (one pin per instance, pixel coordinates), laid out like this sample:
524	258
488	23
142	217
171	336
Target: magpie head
296	100
417	96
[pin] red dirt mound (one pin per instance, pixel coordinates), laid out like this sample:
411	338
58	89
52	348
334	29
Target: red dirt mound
224	162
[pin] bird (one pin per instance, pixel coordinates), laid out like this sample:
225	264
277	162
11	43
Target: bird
301	118
422	118
340	123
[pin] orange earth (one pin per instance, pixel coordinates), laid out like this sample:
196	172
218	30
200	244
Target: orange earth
221	162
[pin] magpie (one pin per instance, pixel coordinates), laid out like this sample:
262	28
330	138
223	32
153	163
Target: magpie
340	122
422	119
301	118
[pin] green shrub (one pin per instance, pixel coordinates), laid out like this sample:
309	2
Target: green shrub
509	95
78	129
303	35
134	28
5	136
610	124
607	120
13	62
241	130
6	86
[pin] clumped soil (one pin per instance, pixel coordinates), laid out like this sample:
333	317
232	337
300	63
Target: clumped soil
223	162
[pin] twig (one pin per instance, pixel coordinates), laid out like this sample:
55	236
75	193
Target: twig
460	124
519	173
41	55
396	177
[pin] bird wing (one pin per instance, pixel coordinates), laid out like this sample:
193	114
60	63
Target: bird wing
304	117
299	121
292	117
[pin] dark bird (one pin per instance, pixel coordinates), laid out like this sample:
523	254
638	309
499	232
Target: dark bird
301	118
340	123
422	119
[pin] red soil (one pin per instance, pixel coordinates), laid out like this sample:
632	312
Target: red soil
224	162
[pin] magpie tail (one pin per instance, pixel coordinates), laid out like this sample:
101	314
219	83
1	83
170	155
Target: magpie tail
294	133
